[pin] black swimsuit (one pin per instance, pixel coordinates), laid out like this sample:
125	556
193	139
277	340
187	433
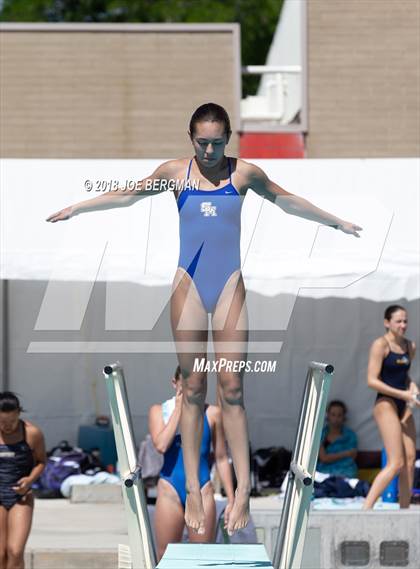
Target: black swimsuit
394	372
16	461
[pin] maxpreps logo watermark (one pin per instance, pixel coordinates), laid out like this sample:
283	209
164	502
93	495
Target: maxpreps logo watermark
203	365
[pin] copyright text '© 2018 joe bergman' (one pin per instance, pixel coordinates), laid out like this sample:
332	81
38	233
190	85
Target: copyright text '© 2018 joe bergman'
148	185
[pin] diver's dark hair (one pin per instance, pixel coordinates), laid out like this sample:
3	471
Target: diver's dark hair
391	309
9	402
337	403
213	113
177	373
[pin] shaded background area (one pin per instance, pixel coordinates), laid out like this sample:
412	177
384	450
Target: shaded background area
62	391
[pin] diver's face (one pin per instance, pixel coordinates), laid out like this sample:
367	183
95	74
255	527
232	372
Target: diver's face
398	323
336	416
9	422
209	141
177	384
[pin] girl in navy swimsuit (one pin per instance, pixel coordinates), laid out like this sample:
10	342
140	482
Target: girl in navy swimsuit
22	460
389	361
209	281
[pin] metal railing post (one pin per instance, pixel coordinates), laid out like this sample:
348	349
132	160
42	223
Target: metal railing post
291	536
142	551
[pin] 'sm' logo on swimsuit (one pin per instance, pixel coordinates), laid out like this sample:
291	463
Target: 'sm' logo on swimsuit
207	209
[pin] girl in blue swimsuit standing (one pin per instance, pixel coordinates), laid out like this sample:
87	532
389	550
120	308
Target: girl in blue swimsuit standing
171	495
209	281
389	361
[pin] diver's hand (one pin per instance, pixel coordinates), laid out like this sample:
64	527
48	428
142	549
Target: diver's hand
349	228
22	486
414	398
61	215
178	396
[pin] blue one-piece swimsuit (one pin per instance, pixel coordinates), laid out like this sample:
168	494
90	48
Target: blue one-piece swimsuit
210	234
394	372
173	470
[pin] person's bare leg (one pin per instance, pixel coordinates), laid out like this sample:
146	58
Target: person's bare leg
406	478
389	425
230	324
19	521
3	537
169	517
189	326
209	505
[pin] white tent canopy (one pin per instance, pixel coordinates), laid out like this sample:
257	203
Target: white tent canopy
142	245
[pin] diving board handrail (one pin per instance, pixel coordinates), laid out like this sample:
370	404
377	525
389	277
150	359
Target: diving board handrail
142	551
291	536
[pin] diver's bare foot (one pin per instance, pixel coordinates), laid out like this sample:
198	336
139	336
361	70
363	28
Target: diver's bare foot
194	511
239	516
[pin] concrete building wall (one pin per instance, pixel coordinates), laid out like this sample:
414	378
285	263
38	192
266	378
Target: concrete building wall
112	91
363	78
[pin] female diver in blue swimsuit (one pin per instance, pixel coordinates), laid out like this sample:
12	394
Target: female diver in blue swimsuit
390	358
209	281
164	421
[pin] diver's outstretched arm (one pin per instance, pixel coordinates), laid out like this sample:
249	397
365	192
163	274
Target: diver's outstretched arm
121	197
257	180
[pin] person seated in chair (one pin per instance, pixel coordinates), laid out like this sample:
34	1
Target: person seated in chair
338	449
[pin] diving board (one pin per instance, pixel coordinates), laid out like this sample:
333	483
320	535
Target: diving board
214	556
291	536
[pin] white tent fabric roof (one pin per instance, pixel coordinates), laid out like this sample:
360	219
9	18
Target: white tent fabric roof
280	253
